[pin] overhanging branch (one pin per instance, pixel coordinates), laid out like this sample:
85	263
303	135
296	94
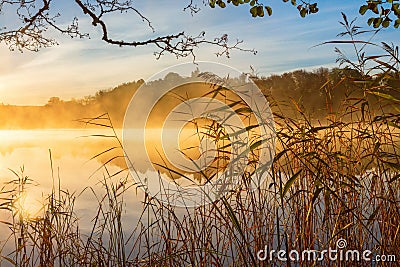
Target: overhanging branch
32	34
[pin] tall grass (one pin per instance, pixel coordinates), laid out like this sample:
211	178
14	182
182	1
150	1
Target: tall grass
332	179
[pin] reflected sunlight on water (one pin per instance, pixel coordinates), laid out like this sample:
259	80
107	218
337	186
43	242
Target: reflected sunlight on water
28	206
70	165
70	151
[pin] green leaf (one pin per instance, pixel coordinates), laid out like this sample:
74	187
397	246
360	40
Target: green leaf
256	144
253	11
313	8
290	182
377	22
212	3
269	10
386	23
370	20
397	23
374	8
395	6
363	9
386	96
303	12
260	11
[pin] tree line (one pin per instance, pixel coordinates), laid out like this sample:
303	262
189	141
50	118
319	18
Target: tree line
317	93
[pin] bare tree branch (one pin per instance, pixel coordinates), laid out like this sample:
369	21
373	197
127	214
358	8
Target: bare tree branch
192	7
36	19
29	36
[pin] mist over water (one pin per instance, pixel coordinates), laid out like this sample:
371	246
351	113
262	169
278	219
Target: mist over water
70	164
70	168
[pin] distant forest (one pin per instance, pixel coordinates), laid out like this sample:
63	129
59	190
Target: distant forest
318	93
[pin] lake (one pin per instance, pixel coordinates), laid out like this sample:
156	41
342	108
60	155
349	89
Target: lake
71	152
67	156
50	156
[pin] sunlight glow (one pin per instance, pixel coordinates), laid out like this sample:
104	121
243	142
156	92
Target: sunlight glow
27	206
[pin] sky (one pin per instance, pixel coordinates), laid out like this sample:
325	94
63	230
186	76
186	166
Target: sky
80	67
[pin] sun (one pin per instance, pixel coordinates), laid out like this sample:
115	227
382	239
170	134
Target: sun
27	207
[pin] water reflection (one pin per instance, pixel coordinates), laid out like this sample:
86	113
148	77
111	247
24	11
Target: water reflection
71	168
70	165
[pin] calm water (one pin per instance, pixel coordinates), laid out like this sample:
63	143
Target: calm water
71	151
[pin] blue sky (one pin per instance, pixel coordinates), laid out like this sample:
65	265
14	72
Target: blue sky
79	67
